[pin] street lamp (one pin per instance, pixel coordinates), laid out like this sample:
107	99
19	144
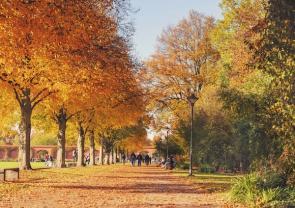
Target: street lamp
167	144
192	100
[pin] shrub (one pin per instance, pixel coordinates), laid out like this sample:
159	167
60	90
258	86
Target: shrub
207	169
271	180
182	165
268	190
244	190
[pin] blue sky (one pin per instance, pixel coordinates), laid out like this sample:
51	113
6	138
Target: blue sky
155	15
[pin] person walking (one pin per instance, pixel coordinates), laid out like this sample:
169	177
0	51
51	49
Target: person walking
75	154
147	160
87	158
139	159
132	158
46	160
124	158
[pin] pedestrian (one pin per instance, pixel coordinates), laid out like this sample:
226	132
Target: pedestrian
87	159
46	159
123	158
74	154
132	158
139	159
50	161
147	160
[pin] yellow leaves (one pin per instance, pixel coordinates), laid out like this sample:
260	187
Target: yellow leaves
183	60
72	52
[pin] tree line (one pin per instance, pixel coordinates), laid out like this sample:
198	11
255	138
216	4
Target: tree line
69	62
241	68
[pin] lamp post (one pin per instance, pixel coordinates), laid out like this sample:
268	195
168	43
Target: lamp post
167	144
167	148
191	99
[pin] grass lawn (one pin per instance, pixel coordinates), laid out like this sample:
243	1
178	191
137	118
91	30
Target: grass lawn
4	165
209	182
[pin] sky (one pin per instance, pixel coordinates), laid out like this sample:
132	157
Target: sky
155	15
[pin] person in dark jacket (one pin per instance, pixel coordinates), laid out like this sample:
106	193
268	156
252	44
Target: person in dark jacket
147	160
123	158
132	158
139	159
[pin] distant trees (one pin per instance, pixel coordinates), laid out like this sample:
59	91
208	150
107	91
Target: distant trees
244	113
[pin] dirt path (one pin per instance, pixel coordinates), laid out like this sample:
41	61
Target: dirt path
111	187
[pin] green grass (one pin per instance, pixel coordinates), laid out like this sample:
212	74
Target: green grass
209	182
4	165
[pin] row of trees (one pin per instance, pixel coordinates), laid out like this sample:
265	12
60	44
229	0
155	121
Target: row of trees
241	68
69	61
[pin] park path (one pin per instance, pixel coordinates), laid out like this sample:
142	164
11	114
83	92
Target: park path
117	186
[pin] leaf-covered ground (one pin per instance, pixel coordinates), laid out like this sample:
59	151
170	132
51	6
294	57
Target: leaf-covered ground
113	186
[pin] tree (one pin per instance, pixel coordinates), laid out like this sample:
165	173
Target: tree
275	56
181	66
183	57
48	42
27	68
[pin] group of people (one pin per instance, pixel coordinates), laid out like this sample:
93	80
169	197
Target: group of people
168	163
75	156
140	158
146	159
48	160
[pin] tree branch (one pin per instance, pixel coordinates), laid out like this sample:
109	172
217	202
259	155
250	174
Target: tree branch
34	104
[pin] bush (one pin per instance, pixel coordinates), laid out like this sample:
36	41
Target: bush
267	190
244	190
182	165
271	180
207	169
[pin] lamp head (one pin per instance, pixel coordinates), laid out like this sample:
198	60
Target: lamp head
192	99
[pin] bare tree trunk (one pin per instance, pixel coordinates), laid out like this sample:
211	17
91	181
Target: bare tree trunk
61	139
120	155
116	154
101	155
25	134
241	166
112	156
80	145
108	158
92	148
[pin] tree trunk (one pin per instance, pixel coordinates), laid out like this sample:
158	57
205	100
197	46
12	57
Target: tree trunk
101	155
92	148
241	166
80	145
61	139
120	155
116	154
112	156
25	134
108	158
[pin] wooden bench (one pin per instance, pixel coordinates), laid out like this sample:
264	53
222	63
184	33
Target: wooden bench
9	174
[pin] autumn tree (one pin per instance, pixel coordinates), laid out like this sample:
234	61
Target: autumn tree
180	66
27	69
275	57
61	39
183	57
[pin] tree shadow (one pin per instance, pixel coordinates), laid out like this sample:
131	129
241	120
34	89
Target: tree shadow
163	177
134	188
212	187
